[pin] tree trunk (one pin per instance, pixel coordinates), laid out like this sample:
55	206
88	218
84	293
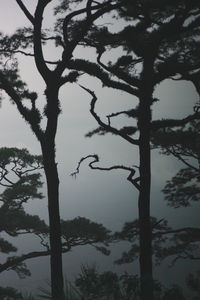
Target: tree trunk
144	218
144	121
51	173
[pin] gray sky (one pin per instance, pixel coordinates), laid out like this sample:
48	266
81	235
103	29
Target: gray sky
103	197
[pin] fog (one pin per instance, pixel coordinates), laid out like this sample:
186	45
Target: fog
103	197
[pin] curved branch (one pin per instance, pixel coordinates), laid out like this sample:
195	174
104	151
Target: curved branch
102	124
89	9
37	37
116	167
101	9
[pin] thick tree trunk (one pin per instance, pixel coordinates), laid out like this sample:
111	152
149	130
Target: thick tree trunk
51	173
146	278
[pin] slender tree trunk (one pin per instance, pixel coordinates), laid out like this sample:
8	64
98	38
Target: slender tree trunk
146	278
51	173
144	218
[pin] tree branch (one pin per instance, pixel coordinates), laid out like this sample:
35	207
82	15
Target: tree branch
189	230
23	110
78	12
37	37
158	124
119	73
94	70
102	124
26	11
28	54
177	155
116	167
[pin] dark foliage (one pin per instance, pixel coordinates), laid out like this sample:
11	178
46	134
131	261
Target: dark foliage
183	143
167	242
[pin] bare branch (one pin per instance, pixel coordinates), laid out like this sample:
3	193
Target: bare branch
116	167
38	52
89	9
182	159
25	11
42	241
3	174
107	127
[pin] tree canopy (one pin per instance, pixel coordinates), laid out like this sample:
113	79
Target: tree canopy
20	180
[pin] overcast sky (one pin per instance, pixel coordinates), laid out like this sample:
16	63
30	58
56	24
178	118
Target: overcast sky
107	198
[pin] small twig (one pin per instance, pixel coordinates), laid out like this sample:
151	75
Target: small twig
27	54
157	223
182	159
42	241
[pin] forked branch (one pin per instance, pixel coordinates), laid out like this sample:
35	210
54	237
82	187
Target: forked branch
107	127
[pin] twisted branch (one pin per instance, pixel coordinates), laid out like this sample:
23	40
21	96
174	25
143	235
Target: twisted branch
95	157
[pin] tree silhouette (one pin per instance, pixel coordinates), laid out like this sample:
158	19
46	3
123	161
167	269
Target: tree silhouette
167	242
54	77
20	181
172	243
108	285
183	143
159	42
